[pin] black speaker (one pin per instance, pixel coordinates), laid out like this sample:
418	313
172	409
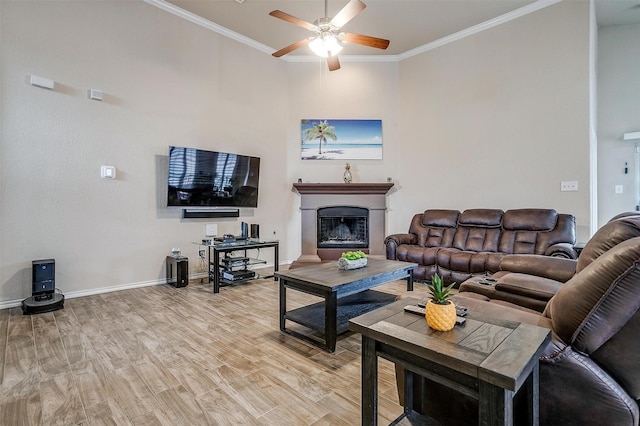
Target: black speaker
245	230
178	271
43	278
255	231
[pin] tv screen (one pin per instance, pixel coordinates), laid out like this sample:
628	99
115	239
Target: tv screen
199	178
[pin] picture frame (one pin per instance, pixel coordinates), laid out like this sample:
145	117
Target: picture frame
341	139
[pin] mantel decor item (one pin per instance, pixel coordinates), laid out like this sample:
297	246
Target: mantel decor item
328	139
347	173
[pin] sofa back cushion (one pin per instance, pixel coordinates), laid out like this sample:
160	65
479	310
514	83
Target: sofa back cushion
596	312
618	229
521	229
478	230
435	228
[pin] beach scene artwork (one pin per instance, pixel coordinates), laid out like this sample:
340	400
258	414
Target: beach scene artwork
326	139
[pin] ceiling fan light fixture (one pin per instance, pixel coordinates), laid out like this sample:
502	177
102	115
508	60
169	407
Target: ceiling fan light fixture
325	44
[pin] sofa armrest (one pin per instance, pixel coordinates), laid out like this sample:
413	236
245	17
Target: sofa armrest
554	268
392	242
564	250
528	286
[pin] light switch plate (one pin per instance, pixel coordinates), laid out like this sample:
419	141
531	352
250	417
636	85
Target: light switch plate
108	172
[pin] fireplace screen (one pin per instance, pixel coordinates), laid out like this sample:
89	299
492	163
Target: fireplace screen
343	227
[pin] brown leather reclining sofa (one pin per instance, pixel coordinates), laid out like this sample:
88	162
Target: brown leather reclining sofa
590	371
458	245
531	281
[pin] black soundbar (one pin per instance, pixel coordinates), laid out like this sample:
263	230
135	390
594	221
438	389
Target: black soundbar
200	214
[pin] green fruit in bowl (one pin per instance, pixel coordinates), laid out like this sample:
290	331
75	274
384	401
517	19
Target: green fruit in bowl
353	255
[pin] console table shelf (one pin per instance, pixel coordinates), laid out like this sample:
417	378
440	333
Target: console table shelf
229	264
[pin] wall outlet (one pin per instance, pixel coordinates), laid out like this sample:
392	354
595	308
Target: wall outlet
619	189
201	253
569	185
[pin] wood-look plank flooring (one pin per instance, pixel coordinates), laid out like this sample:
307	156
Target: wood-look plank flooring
179	356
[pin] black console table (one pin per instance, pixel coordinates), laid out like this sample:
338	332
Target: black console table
217	263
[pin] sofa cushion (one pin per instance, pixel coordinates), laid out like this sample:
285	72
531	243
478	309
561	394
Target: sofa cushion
618	229
468	261
607	288
529	220
488	218
417	254
440	218
476	239
472	287
539	288
433	227
439	237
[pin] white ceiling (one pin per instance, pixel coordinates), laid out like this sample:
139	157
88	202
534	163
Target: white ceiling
409	24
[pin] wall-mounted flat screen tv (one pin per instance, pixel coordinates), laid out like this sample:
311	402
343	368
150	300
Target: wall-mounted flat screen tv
200	178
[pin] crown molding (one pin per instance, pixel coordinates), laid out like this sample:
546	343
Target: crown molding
499	20
198	20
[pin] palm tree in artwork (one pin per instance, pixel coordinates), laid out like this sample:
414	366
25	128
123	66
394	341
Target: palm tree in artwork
320	131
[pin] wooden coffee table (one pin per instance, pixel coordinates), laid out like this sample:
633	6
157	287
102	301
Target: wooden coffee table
489	359
346	294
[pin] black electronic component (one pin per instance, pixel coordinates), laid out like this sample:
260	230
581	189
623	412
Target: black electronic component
178	271
43	289
43	279
255	231
240	275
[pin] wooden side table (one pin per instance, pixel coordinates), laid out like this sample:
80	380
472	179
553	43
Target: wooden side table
487	358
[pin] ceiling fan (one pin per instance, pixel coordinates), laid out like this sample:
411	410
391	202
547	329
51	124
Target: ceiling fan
327	41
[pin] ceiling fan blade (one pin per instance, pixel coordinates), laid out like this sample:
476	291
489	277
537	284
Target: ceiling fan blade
365	40
333	62
348	13
292	19
291	48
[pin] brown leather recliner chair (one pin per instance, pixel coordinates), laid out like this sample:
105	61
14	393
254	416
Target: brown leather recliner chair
532	280
590	371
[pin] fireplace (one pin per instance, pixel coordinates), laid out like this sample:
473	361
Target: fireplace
343	227
338	217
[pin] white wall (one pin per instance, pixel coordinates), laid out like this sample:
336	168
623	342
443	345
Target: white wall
499	119
618	113
494	120
165	81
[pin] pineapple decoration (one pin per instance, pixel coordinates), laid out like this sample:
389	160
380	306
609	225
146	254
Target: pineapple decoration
439	311
347	173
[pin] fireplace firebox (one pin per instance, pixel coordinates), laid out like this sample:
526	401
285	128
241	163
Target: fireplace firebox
343	227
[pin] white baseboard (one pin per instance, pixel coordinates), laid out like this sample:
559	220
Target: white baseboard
93	291
81	293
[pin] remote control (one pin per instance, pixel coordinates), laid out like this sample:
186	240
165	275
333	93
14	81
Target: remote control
414	309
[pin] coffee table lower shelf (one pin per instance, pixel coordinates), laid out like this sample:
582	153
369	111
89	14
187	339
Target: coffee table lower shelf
313	316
